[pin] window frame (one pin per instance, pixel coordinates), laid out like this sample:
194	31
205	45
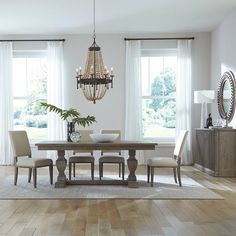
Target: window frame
28	54
163	52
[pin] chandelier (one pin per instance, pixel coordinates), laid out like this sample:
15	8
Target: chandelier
96	78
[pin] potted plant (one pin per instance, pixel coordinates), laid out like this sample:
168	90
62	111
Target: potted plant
72	117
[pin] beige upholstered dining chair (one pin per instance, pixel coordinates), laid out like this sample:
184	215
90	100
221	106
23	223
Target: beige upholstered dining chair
169	162
112	157
22	157
80	156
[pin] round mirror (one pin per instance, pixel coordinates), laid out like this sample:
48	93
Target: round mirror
226	96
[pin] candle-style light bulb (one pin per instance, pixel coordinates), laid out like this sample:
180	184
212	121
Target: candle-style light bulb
77	71
111	70
91	70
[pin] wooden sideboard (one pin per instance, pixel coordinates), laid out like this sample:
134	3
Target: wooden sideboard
216	151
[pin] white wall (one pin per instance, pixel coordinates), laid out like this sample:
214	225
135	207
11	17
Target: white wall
109	112
113	49
201	72
223	54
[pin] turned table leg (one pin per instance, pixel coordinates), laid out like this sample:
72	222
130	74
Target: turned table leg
61	166
132	165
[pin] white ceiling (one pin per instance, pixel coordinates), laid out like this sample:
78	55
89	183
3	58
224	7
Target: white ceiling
112	16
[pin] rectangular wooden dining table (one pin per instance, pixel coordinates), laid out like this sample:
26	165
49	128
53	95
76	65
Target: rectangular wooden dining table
61	162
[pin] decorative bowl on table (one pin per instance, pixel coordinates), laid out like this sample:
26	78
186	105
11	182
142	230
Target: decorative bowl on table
104	138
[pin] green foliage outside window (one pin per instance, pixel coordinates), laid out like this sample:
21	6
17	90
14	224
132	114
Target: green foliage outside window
164	85
161	110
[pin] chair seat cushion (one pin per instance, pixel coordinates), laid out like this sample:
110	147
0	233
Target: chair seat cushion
111	159
162	162
34	162
81	159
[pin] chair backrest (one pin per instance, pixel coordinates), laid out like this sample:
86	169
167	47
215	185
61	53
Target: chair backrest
85	134
20	143
111	131
180	143
84	137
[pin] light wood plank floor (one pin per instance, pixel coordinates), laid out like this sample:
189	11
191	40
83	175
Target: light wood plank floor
124	217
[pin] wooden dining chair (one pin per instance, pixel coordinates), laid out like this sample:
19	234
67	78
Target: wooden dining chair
22	157
82	156
112	157
169	162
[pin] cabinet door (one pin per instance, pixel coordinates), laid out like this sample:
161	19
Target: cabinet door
226	153
205	149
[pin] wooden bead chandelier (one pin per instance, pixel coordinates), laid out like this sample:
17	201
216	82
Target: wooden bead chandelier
96	78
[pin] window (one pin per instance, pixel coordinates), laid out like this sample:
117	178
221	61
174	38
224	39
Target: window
29	89
158	71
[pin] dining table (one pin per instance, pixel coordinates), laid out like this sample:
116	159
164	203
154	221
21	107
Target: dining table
61	162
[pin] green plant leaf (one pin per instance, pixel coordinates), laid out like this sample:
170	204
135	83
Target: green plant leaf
71	113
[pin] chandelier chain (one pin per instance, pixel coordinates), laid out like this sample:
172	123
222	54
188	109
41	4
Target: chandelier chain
94	35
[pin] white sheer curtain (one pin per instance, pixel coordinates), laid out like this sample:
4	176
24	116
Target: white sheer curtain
6	102
55	86
183	95
133	94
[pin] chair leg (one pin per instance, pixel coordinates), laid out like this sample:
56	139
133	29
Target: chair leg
152	175
174	170
123	171
30	174
119	169
16	175
148	173
35	176
51	173
100	170
69	170
179	176
92	170
74	169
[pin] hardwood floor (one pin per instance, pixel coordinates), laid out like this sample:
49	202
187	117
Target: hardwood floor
124	217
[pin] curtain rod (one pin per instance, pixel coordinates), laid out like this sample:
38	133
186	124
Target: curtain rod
31	40
181	38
